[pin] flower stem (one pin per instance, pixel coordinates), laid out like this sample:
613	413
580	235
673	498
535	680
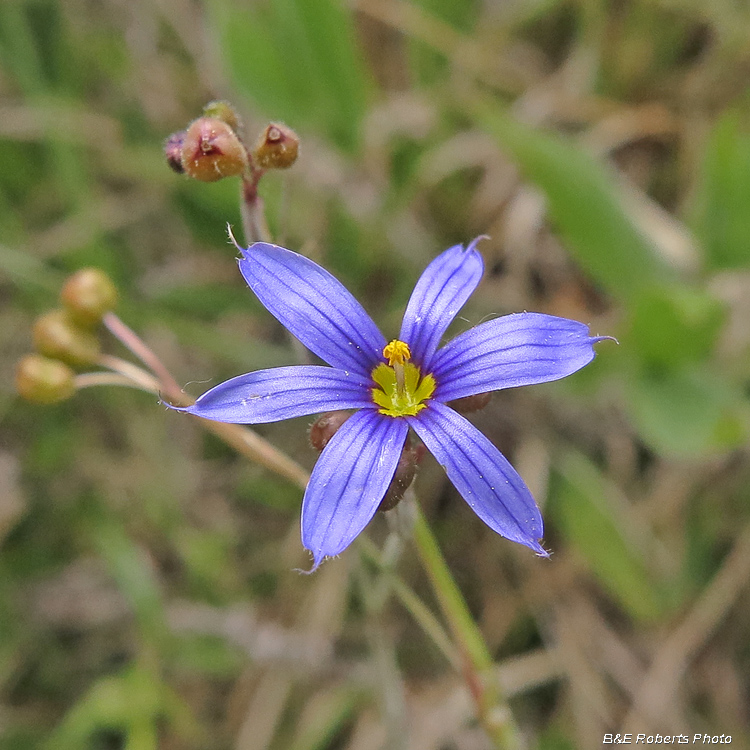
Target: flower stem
259	450
132	341
137	375
492	709
432	627
242	439
254	225
92	379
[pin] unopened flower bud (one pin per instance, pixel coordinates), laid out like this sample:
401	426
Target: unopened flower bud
402	478
173	151
223	111
211	151
277	147
468	404
44	381
88	295
56	335
325	427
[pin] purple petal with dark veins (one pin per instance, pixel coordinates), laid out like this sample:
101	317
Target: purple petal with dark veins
440	293
483	476
282	393
314	306
349	481
518	349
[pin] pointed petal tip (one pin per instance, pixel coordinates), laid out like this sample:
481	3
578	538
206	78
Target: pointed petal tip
232	239
473	244
317	561
185	409
597	339
316	565
540	551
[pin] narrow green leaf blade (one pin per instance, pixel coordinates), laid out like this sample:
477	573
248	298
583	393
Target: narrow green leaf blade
721	216
583	204
579	508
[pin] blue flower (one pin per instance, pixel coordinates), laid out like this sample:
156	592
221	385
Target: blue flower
395	386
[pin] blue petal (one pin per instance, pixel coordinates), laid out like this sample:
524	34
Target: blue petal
483	476
282	393
519	349
349	481
314	306
440	293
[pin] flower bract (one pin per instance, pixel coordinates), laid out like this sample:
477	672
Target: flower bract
396	386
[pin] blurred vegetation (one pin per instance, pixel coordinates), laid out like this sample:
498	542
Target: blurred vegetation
147	592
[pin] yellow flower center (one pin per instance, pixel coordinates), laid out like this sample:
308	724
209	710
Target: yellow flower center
400	389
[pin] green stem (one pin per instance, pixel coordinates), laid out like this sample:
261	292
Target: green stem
493	711
423	616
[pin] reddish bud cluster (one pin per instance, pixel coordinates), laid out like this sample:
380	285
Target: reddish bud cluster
211	148
277	147
211	151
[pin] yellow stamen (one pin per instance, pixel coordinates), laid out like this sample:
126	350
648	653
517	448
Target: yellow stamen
398	353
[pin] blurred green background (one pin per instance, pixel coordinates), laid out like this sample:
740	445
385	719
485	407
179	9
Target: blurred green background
148	597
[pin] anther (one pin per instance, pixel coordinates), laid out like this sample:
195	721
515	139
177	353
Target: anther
397	353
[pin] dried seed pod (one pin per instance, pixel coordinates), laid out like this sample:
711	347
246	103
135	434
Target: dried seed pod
173	151
402	478
44	381
468	404
56	335
325	427
277	147
88	295
211	151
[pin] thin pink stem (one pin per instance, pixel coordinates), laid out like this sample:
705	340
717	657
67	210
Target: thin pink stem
135	344
254	225
92	379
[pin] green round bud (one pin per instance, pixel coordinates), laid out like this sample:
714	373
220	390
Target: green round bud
211	151
57	336
277	147
44	381
225	112
88	295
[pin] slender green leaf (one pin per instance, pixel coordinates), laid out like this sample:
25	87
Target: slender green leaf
721	217
583	204
687	412
672	325
580	508
324	716
297	59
